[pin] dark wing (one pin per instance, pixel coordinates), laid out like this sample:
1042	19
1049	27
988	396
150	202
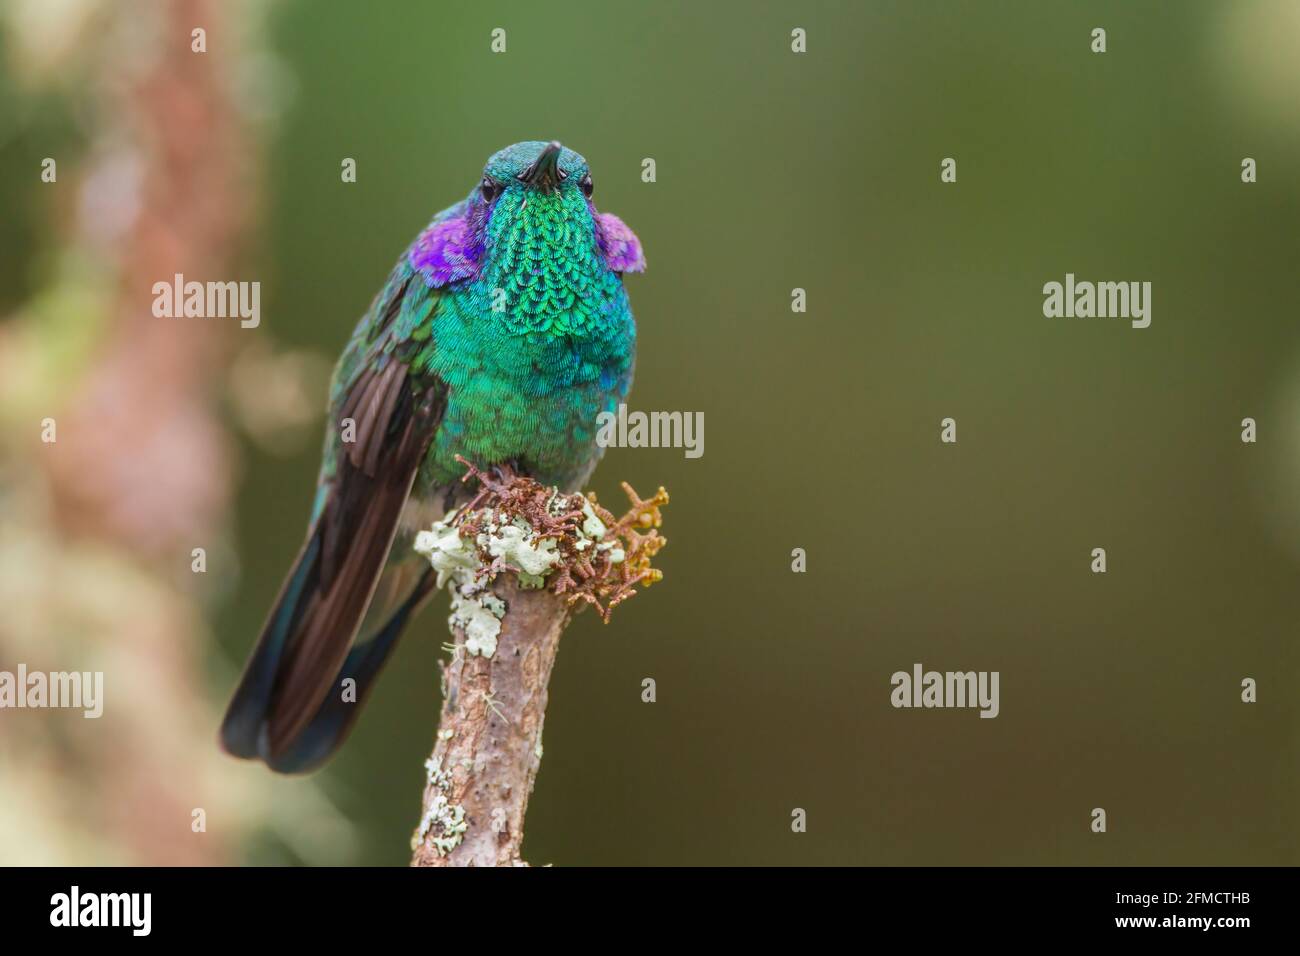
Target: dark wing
305	642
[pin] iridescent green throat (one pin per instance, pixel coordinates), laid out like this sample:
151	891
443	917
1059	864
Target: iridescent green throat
543	271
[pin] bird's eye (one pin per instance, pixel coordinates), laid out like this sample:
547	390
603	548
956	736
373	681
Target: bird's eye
490	188
586	185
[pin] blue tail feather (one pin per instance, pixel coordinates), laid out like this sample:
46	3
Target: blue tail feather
332	723
242	727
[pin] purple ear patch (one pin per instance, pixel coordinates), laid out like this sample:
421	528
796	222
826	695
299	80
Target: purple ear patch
618	244
447	251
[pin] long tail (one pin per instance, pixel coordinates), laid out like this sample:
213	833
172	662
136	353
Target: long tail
333	722
247	729
293	707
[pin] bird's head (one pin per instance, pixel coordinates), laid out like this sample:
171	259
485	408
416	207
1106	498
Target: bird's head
531	212
538	170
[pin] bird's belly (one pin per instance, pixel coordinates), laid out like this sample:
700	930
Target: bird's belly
549	433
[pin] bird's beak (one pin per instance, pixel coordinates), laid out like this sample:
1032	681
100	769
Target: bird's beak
544	173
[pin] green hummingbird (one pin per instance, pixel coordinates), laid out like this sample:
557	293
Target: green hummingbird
501	334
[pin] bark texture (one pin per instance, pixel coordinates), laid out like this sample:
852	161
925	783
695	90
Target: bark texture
489	743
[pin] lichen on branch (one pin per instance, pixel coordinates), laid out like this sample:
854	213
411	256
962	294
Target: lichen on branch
519	559
568	543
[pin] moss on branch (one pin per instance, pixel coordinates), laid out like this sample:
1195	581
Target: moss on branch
518	560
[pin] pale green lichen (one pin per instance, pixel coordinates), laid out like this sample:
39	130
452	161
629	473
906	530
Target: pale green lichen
594	531
475	610
567	543
517	544
462	567
448	818
449	555
592	527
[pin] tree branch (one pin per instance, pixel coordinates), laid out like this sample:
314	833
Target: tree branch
519	559
489	744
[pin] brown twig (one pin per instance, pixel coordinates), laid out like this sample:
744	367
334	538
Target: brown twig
489	742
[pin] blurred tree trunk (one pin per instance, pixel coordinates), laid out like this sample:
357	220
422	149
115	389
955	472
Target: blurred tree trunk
97	539
142	459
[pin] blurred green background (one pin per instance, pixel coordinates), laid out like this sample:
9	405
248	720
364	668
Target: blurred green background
821	171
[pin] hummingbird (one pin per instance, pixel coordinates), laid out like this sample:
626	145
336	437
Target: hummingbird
501	334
